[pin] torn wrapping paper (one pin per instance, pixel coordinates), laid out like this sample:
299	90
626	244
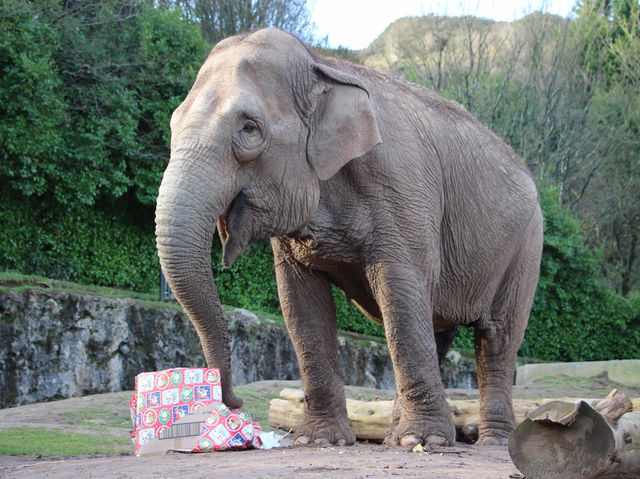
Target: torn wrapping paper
228	429
181	409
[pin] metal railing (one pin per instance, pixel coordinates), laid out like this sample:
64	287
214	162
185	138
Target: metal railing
165	290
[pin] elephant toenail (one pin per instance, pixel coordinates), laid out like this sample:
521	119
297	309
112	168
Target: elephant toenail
410	440
434	440
301	441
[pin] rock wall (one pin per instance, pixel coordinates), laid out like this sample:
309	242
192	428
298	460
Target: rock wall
56	345
263	350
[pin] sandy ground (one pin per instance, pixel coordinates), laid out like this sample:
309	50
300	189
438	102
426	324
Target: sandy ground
359	461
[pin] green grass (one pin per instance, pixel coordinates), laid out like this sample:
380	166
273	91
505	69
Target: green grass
10	280
98	416
52	442
109	422
256	401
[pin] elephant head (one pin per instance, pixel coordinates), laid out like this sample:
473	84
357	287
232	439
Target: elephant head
262	126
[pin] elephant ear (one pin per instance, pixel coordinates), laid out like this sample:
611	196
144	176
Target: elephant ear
343	124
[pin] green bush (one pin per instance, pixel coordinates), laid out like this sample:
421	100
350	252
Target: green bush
574	316
86	95
251	283
104	247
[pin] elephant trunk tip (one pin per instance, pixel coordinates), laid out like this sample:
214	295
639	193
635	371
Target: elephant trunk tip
231	400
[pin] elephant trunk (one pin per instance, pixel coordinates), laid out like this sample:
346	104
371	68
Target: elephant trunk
185	224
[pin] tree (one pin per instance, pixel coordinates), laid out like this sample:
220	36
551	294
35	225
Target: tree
219	19
611	207
32	110
88	90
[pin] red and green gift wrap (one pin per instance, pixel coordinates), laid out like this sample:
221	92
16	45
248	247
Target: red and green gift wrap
162	398
228	429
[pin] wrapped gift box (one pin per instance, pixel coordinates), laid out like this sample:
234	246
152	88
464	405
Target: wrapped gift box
180	409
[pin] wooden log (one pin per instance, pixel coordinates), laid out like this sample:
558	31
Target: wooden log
370	420
579	440
614	406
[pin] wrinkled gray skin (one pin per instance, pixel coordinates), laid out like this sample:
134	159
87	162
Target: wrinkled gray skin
423	217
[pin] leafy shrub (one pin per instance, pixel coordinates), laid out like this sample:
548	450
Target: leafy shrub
251	283
86	95
83	244
574	316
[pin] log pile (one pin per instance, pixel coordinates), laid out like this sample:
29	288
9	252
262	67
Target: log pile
370	420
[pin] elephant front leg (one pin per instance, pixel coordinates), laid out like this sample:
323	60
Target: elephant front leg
309	313
422	415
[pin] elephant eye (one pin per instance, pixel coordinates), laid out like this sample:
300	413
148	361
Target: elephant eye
249	127
249	142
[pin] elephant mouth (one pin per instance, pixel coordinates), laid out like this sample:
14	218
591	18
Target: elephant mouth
229	230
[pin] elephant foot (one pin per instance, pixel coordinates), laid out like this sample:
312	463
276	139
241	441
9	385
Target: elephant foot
491	441
495	430
493	438
430	434
324	432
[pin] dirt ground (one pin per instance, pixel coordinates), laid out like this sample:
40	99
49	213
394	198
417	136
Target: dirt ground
359	461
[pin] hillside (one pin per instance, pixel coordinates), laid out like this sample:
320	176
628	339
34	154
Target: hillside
447	42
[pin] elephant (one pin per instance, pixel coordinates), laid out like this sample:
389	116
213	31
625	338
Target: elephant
423	217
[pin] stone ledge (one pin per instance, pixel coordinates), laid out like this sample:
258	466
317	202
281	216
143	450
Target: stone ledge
624	371
57	344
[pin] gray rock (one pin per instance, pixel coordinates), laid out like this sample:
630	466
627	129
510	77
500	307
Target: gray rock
459	372
453	356
55	345
247	317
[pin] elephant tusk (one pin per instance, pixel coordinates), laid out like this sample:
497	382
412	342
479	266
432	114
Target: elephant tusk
222	227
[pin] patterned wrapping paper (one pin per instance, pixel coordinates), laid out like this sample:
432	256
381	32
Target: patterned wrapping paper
163	398
228	429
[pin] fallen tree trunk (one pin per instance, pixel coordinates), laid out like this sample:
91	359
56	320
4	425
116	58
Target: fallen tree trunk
370	420
575	440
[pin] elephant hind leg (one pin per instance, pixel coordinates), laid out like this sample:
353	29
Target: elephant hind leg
396	415
498	338
444	340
